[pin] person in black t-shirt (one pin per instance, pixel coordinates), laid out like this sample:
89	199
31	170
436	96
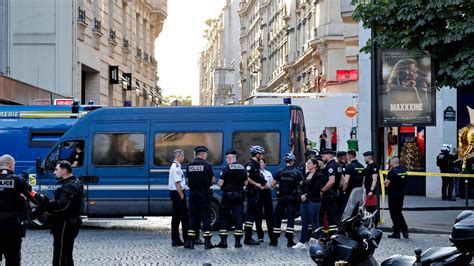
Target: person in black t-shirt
395	184
78	156
330	188
354	175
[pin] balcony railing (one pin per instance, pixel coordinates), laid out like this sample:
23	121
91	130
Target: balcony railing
139	53
146	57
112	35
126	45
97	26
81	15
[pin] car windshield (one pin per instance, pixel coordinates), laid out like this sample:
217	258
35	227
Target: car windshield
356	200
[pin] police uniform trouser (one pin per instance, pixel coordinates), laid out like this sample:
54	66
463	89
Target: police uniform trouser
447	187
253	198
395	205
179	215
231	202
266	202
10	247
64	232
328	210
199	207
290	204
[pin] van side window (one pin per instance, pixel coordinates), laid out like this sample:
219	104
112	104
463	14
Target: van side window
118	149
64	151
166	143
270	141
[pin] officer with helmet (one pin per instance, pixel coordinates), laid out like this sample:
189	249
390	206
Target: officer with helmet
232	181
200	178
14	192
289	180
445	162
256	182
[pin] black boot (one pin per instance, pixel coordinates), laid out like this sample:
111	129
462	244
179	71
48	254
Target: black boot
274	239
289	237
237	241
223	243
207	242
189	244
248	237
396	233
405	234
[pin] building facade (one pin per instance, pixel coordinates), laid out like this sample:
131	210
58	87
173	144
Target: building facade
296	46
90	50
219	75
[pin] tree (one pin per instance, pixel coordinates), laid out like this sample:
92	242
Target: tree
444	28
178	99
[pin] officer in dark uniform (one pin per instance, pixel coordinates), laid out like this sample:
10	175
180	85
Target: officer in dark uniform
370	183
232	181
289	180
66	209
341	157
330	188
395	183
353	176
14	191
256	181
200	179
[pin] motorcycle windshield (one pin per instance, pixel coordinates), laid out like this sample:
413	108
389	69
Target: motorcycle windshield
356	200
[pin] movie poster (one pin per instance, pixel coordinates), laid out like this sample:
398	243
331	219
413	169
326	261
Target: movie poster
405	86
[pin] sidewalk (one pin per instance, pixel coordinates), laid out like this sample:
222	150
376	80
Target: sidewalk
427	215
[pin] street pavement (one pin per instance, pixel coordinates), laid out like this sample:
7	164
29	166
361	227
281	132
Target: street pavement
147	242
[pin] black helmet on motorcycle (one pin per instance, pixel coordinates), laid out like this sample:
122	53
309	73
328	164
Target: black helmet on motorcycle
316	251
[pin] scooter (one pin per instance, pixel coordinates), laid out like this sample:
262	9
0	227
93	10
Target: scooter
353	241
462	236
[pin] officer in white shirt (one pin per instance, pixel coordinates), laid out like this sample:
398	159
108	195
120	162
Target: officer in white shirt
177	185
265	204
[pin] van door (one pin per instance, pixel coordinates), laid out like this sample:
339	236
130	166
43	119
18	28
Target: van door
166	138
119	163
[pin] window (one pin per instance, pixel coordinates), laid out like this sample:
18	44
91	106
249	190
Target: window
124	149
44	138
65	151
270	141
166	143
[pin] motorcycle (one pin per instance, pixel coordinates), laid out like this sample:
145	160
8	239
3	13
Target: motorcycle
462	237
353	241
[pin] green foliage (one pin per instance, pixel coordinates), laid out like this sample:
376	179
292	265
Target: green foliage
444	28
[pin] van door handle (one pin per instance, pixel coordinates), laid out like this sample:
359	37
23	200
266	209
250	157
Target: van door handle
89	179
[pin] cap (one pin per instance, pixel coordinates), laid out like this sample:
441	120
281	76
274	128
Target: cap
328	152
341	153
200	149
352	152
318	157
368	153
231	151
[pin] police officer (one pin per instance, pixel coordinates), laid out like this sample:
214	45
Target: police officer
256	182
14	191
289	180
200	177
177	185
370	182
445	162
232	181
66	209
330	188
395	183
341	157
354	175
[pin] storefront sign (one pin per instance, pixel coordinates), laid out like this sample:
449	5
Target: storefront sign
405	91
347	75
449	114
63	101
42	102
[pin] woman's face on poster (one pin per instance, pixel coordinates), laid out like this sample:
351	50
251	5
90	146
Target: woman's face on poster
408	76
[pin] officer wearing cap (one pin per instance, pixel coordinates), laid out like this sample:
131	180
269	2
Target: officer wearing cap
232	181
289	180
14	191
66	209
256	182
354	175
370	183
200	178
330	188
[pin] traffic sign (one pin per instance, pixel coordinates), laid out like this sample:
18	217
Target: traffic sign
351	111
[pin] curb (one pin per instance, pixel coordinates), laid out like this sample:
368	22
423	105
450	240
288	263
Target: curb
454	208
415	230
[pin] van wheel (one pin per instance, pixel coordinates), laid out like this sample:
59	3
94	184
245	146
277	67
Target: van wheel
214	216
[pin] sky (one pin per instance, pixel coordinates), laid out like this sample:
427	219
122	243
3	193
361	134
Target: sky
178	45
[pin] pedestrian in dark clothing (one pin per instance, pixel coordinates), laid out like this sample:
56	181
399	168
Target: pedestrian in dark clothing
341	157
457	168
395	184
200	178
353	177
66	209
310	196
322	141
445	162
14	193
330	189
370	184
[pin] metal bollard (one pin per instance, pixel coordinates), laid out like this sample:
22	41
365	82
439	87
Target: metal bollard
466	193
418	257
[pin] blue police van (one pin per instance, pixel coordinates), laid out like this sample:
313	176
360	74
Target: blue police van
128	151
29	132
